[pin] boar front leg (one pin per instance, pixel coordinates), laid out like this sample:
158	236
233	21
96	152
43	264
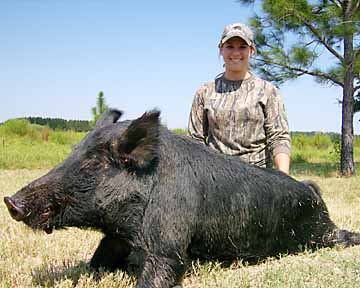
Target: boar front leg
161	272
111	254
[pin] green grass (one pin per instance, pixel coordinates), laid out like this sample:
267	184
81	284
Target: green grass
18	152
29	259
30	151
26	146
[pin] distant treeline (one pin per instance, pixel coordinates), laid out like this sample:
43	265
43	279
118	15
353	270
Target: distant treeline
332	135
62	124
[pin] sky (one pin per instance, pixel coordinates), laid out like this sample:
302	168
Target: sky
55	57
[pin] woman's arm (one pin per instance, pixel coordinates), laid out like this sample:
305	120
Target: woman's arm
277	130
282	162
197	127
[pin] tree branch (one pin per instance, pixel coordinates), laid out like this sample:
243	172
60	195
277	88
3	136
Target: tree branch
356	7
336	3
320	37
316	33
302	71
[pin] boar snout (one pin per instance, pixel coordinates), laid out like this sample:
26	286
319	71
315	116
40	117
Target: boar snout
15	210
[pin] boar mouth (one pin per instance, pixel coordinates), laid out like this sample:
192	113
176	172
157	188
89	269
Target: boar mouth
48	229
45	220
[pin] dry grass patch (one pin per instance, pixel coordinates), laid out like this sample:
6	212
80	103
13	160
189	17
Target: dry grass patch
29	259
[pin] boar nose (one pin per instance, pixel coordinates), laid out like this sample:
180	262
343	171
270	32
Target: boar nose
16	212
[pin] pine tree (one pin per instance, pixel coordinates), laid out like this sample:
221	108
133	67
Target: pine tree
100	107
293	36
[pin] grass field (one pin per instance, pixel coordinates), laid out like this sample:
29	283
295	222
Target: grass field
29	259
28	146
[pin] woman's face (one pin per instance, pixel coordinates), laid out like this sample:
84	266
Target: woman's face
236	54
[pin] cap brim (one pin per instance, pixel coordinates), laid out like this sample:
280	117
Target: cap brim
237	34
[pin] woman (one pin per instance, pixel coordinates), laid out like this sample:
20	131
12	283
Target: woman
239	113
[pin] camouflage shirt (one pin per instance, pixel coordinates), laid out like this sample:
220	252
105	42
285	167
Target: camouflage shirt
244	118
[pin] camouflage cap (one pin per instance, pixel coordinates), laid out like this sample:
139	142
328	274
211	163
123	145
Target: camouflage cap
237	30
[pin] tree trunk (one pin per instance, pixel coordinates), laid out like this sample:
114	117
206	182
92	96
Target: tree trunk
347	167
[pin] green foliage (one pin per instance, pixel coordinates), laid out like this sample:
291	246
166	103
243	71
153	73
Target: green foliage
318	141
335	153
99	108
299	140
318	153
16	127
20	128
287	14
335	72
302	55
315	152
321	141
25	145
18	153
65	138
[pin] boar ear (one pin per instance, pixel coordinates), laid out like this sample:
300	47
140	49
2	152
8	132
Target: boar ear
109	116
138	145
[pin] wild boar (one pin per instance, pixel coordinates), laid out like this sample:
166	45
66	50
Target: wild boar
166	199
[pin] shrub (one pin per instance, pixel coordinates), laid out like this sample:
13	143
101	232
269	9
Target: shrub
59	137
18	127
321	141
298	158
65	137
21	128
299	140
335	153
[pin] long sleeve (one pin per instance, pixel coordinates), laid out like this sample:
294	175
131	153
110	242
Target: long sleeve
276	124
197	126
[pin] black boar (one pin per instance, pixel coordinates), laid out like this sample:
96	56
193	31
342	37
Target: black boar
166	199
